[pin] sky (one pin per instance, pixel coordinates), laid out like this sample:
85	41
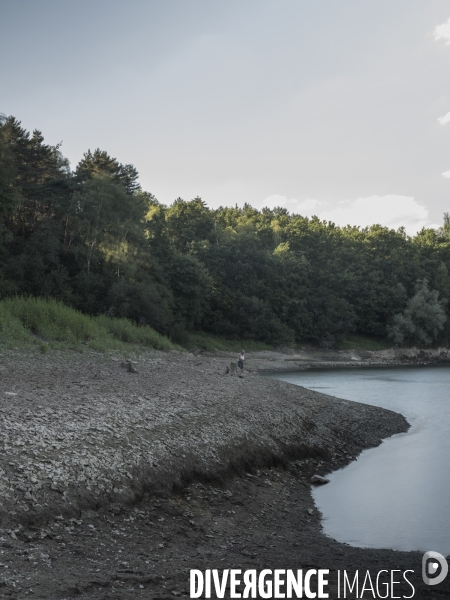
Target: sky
335	109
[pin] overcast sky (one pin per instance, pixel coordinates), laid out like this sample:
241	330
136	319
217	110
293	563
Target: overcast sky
340	109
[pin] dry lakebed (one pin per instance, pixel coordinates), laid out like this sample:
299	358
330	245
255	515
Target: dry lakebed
117	480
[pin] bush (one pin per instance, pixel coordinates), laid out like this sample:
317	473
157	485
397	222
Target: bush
179	335
422	319
11	328
144	303
360	342
205	341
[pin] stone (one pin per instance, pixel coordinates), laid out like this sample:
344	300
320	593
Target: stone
319	480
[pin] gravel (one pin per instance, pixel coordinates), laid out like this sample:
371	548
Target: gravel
114	482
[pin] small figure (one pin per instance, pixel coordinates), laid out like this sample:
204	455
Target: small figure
241	360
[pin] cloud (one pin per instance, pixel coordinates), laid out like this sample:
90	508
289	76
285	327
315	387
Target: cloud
446	174
442	32
445	119
391	211
307	207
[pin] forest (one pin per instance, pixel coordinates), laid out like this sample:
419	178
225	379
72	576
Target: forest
94	240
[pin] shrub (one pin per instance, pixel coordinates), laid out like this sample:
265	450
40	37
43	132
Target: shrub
422	319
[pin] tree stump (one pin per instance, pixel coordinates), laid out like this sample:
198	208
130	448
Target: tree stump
131	368
128	365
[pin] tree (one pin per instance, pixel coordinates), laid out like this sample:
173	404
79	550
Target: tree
40	174
191	284
9	193
422	319
189	222
100	163
9	196
444	231
105	217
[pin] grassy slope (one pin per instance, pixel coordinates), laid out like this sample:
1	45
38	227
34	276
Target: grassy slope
47	324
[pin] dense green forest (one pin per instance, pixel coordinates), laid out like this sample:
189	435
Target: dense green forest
94	240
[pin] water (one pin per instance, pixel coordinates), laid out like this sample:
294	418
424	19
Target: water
396	495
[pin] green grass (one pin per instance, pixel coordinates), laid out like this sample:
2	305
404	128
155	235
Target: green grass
205	341
47	324
360	342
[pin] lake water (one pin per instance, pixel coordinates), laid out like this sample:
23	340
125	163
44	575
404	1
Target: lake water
397	495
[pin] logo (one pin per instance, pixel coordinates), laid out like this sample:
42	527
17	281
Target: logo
434	568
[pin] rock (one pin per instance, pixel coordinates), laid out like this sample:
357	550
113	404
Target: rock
319	480
233	368
129	366
310	511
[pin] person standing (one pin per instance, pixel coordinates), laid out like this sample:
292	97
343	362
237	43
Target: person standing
241	360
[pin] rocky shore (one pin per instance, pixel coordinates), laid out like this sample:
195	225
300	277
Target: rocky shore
116	479
290	360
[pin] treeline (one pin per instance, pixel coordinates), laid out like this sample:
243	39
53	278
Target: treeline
93	239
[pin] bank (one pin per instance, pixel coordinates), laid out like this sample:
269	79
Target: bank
124	478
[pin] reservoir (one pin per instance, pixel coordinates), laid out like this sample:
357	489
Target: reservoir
398	494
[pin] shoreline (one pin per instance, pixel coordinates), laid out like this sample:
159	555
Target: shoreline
347	365
124	481
293	361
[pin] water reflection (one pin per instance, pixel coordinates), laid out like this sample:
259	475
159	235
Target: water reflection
396	495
